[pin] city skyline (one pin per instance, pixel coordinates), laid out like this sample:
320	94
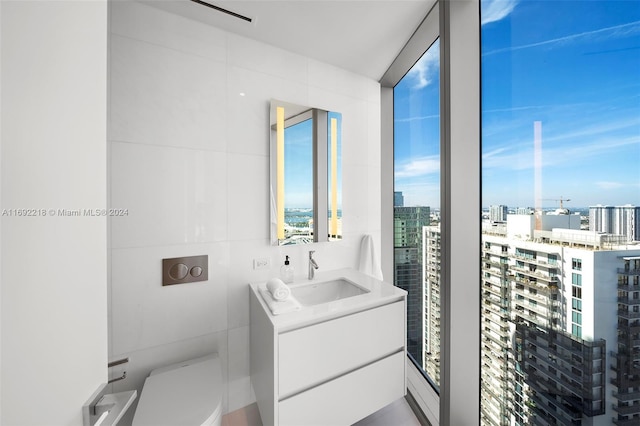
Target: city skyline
578	77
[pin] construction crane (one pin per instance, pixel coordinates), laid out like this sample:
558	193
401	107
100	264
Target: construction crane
558	199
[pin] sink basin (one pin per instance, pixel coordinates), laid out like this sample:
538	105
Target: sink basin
316	293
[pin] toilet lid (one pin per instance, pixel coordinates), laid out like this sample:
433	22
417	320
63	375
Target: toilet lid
190	394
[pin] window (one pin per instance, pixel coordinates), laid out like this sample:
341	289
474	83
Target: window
576	292
576	304
576	279
560	138
527	254
416	100
298	196
576	264
576	330
576	317
459	204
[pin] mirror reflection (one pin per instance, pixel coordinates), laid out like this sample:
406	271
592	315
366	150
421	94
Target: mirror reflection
306	174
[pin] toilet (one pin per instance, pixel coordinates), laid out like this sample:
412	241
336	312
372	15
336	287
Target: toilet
187	393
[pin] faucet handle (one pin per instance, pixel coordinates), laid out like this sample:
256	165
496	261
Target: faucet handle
311	253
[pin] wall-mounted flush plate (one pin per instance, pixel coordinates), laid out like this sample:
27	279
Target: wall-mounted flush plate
182	270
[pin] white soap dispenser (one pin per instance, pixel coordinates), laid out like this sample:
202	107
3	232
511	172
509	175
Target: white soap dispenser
286	271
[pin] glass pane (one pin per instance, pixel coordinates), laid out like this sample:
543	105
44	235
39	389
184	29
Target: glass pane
417	207
298	176
560	190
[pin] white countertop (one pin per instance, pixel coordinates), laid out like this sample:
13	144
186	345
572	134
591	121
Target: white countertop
379	293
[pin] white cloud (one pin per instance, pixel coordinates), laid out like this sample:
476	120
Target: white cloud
604	128
493	153
519	155
615	32
495	10
418	167
609	185
416	118
427	66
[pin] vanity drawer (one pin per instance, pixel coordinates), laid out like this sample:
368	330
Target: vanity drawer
348	398
312	355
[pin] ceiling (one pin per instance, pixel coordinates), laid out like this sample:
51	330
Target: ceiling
362	36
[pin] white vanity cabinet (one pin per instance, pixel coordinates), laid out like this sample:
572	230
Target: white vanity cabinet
333	371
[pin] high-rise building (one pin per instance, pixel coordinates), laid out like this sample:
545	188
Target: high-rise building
498	213
626	358
524	210
398	199
409	273
431	357
560	327
620	220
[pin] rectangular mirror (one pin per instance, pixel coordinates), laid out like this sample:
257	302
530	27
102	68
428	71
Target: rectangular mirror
306	174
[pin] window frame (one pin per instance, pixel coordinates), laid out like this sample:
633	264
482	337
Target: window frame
459	32
576	264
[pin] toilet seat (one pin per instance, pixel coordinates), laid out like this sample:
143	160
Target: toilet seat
182	394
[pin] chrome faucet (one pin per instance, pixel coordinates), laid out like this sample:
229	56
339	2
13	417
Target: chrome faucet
312	265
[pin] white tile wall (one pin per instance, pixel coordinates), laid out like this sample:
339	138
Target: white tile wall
146	314
248	202
189	146
248	114
180	96
252	55
173	195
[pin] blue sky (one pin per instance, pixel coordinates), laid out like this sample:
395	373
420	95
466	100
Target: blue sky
298	158
299	163
417	131
572	65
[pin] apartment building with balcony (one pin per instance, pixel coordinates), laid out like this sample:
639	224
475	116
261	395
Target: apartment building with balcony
560	325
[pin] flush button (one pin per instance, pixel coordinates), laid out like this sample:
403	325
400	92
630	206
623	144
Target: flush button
182	270
178	271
